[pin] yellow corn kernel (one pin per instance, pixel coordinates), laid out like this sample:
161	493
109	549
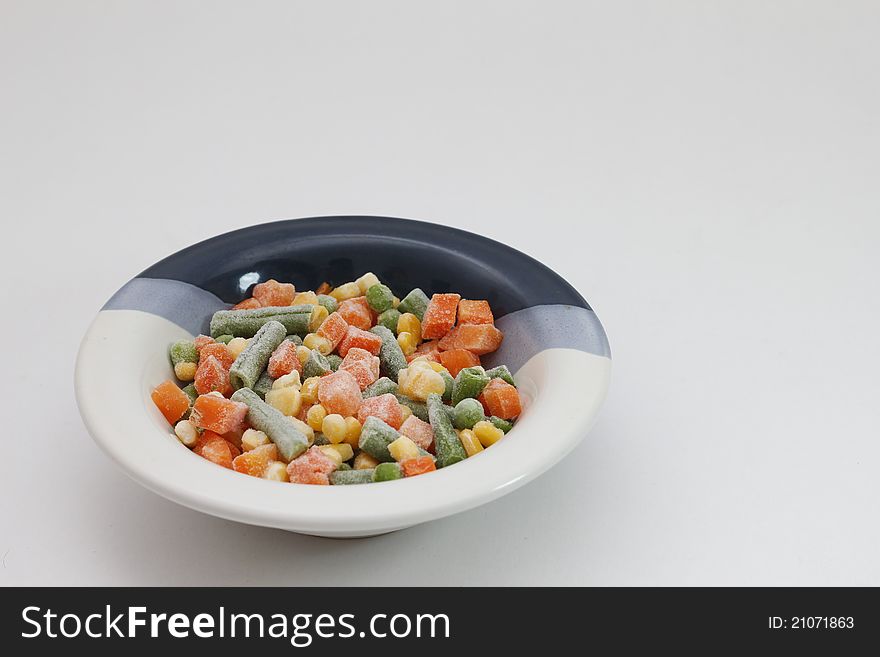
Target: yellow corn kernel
331	453
334	427
406	410
487	433
319	314
364	461
306	430
315	341
352	431
403	449
309	390
367	281
420	381
185	371
346	291
302	354
287	400
186	432
235	346
301	298
342	452
409	323
251	439
437	367
276	471
470	442
395	302
315	416
408	343
287	381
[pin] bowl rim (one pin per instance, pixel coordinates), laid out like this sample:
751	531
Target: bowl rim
201	485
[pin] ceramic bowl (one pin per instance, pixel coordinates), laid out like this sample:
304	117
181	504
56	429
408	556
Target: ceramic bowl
553	343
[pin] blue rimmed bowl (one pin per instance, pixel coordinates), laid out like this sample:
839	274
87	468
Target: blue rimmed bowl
553	343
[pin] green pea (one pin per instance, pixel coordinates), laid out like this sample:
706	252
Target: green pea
380	297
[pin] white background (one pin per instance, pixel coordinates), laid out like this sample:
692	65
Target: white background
706	174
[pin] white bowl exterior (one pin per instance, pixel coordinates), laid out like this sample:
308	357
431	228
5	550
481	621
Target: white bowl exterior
124	355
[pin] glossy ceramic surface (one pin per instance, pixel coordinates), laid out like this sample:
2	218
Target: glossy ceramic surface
553	342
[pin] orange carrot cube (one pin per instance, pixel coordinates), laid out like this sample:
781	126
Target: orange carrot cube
385	407
218	451
311	467
255	462
362	365
421	465
211	376
170	400
333	328
218	414
418	431
502	399
214	448
357	312
356	337
475	312
219	351
203	438
283	360
439	317
456	360
273	293
340	393
201	340
479	339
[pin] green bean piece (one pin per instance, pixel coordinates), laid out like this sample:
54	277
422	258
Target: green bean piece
321	439
225	339
501	372
391	356
380	297
387	472
380	387
344	466
263	385
335	361
467	413
416	302
329	303
389	319
290	441
418	409
246	323
469	383
251	362
504	425
316	365
191	392
183	351
376	435
350	477
450	384
295	339
446	443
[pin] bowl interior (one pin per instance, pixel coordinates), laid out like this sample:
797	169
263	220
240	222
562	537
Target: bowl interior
403	254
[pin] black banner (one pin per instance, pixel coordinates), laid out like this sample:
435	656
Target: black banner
434	621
